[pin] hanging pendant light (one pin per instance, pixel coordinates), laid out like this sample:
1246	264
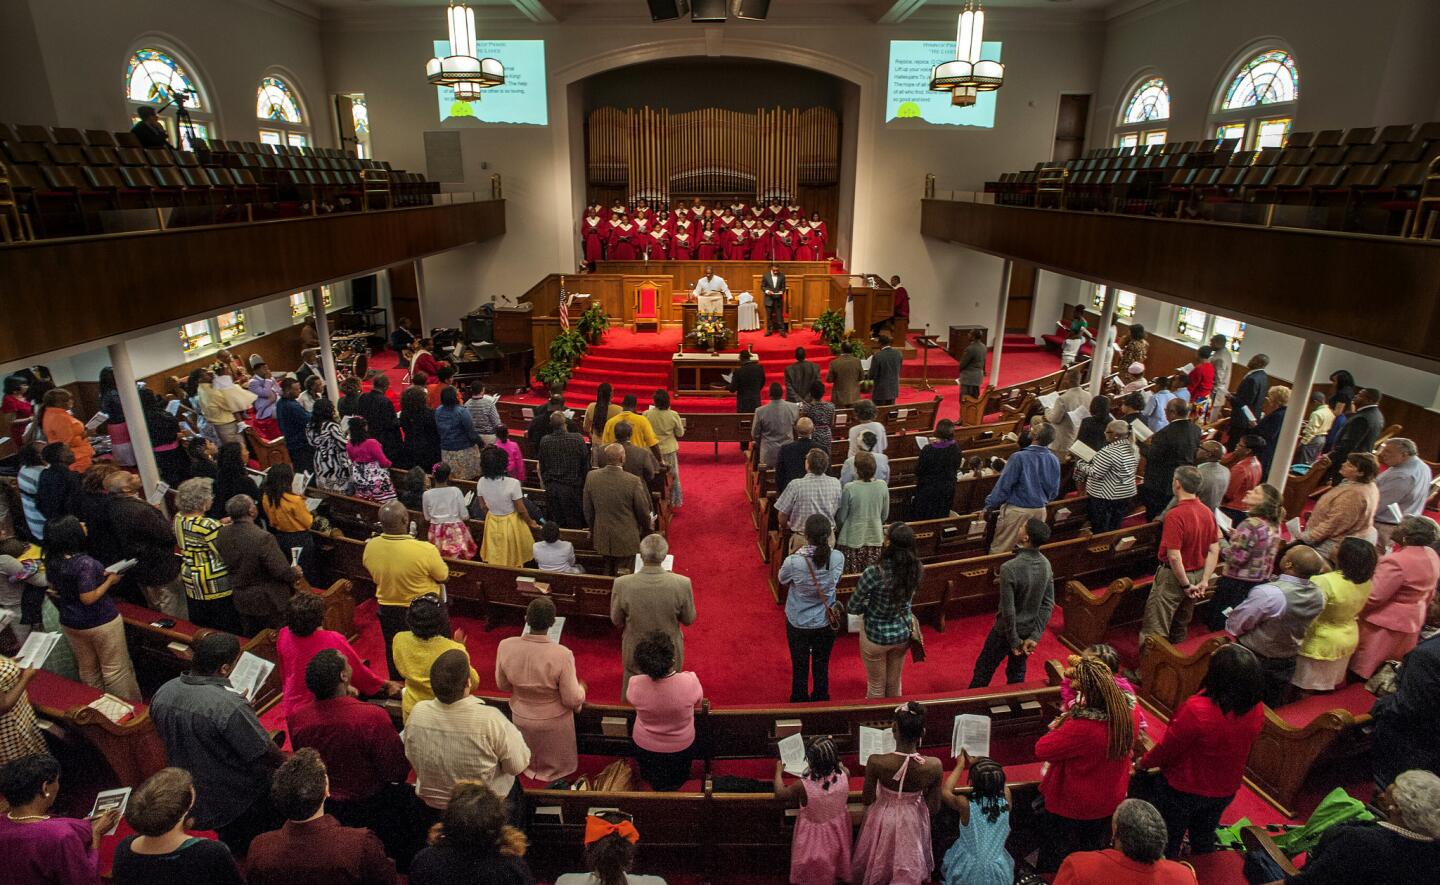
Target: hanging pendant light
461	69
969	74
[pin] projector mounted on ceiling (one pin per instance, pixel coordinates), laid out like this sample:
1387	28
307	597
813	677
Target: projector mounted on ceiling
709	11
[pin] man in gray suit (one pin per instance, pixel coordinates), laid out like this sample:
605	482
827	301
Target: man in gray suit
617	509
844	376
972	366
648	601
885	372
774	425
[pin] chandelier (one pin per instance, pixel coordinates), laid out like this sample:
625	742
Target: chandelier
969	74
461	69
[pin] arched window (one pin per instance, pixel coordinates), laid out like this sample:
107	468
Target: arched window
156	77
1257	103
1145	115
277	106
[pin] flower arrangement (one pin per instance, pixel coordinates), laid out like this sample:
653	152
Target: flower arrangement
710	332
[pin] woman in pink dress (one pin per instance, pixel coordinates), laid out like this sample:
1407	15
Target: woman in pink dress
544	693
1400	593
902	791
820	851
301	639
514	461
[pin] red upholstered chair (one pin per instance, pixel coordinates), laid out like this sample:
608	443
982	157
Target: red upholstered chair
647	299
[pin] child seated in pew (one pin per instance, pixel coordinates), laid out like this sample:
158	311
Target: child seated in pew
444	508
411	489
820	851
553	554
610	839
978	855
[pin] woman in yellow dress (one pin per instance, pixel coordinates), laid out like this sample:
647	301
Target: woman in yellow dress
508	538
1333	636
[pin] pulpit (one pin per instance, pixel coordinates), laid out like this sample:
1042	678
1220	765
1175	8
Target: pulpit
647	307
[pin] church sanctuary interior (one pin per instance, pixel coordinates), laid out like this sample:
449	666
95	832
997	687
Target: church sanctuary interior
589	442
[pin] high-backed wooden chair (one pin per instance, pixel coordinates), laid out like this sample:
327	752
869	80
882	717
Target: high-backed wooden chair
647	303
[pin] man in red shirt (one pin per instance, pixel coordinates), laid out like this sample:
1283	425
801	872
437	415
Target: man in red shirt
1189	550
1138	857
362	751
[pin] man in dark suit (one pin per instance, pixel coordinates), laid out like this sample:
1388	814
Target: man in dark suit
1360	432
972	366
564	461
379	414
800	376
885	372
773	285
1251	394
791	465
292	418
144	534
261	575
746	382
1169	448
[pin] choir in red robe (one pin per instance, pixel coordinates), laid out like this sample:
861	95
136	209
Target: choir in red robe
773	230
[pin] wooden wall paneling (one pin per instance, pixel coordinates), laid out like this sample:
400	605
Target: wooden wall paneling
404	294
104	286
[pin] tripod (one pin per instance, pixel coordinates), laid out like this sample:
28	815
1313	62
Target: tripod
184	126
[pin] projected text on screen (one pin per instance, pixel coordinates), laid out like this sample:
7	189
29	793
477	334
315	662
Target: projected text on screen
520	100
908	96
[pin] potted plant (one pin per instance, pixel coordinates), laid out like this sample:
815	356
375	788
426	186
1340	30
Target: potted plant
553	373
593	323
830	326
565	351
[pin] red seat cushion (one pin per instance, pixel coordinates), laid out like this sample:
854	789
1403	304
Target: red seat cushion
1352	698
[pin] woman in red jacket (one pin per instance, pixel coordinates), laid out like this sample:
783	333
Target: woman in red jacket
1201	379
1201	759
1088	751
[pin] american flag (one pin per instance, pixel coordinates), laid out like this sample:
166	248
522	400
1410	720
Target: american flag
564	306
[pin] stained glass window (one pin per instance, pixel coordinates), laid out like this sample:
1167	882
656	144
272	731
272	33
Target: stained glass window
1230	130
1149	101
270	136
230	326
275	101
1272	133
194	336
154	76
296	139
1234	330
1124	303
300	302
1155	137
1130	139
1190	324
360	113
1268	78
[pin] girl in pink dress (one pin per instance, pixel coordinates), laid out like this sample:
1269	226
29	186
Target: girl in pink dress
901	793
820	852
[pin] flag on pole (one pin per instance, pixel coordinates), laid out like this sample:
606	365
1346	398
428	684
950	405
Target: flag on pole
564	306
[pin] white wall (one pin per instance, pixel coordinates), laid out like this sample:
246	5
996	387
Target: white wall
84	45
381	53
1367	64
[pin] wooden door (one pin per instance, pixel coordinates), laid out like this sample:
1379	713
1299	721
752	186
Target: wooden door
1021	297
405	295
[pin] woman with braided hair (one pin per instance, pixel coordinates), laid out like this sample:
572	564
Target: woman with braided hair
1088	753
978	856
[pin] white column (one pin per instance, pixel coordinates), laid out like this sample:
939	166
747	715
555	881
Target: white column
134	416
1295	414
327	356
997	334
1100	360
420	296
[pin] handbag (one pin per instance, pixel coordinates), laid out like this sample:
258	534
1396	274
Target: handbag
1384	681
835	614
917	640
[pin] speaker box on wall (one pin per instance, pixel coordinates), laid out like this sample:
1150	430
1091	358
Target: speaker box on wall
755	10
362	292
708	10
668	10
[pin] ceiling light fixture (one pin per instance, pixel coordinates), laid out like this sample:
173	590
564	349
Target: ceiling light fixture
461	69
969	74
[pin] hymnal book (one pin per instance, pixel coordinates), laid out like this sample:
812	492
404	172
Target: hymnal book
554	631
1078	415
668	565
904	413
792	753
1048	400
249	675
976	529
921	442
1062	514
1186	369
1125	543
295	555
1249	415
971	734
1224	522
1140	430
468	499
111	800
527	413
1394	511
854	623
121	567
865	363
1012	436
569	414
729	377
36	649
1082	451
112	708
173	407
1293	527
840	418
313	504
875	741
95	422
301	481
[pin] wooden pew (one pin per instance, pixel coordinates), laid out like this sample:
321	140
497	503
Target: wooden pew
132	749
1012	400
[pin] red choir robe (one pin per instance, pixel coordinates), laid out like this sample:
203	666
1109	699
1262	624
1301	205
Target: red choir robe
644	211
617	211
824	233
774	212
665	223
622	242
708	247
642	225
807	246
759	244
739	245
782	246
737	209
657	245
593	234
682	248
793	212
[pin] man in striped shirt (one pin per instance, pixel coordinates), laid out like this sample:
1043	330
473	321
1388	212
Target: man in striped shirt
1110	478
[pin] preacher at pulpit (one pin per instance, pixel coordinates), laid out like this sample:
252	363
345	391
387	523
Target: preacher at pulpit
711	292
773	285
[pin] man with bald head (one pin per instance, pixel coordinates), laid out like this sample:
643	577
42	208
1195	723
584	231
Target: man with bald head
649	601
1273	619
617	509
791	463
142	533
638	461
564	460
1168	449
403	570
